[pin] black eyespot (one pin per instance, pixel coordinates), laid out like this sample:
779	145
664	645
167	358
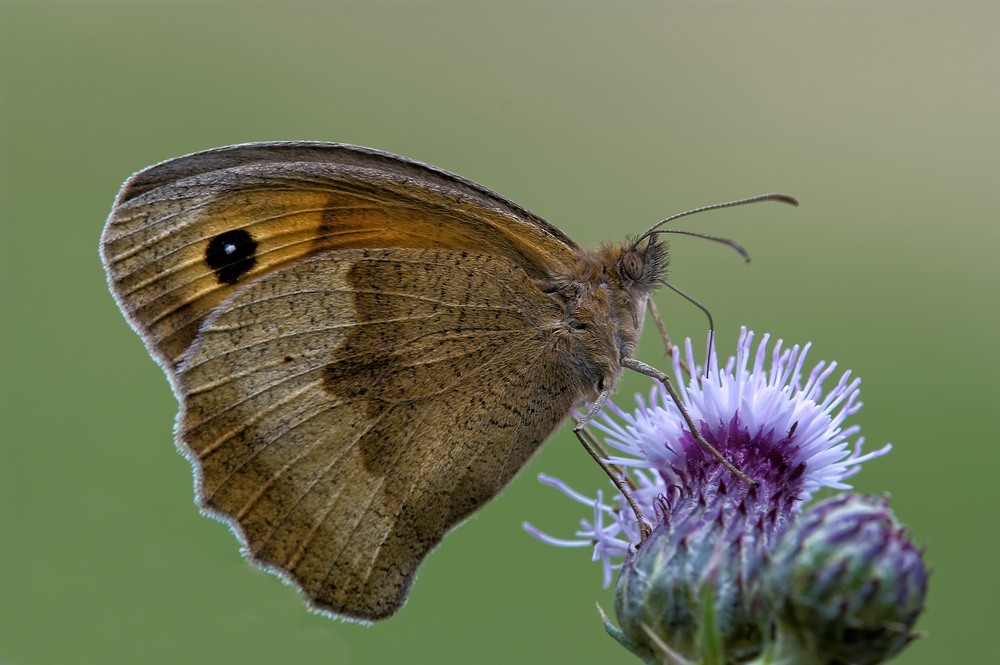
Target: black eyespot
231	255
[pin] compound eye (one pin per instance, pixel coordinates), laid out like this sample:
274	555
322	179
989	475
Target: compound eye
632	265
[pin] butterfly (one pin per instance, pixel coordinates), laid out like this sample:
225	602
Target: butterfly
365	349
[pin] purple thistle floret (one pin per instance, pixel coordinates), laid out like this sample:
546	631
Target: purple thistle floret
712	531
776	428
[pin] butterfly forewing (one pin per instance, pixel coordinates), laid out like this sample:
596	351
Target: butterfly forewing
185	234
348	410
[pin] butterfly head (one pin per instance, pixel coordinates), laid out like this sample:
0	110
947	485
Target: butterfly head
603	303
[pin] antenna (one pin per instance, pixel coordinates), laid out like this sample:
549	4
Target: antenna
725	241
783	198
655	229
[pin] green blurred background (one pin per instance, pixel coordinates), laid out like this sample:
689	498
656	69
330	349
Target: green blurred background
602	118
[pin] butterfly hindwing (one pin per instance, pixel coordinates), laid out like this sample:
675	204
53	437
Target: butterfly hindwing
346	411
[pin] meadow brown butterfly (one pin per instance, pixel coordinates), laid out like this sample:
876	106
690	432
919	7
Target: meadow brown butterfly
366	349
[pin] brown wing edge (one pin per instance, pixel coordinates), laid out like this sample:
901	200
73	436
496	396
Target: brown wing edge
159	358
249	154
288	579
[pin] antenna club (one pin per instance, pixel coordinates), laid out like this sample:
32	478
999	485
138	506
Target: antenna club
784	198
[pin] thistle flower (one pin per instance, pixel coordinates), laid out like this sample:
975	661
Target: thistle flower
846	584
712	531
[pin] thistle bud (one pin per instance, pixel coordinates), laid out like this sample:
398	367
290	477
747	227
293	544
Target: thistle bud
683	596
845	583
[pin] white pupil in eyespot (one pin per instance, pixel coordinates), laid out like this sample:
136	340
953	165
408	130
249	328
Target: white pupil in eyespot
230	249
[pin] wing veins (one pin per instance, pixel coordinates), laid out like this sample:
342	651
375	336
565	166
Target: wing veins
272	436
298	375
333	561
277	474
413	487
215	287
492	361
301	549
202	388
245	398
215	445
230	378
241	326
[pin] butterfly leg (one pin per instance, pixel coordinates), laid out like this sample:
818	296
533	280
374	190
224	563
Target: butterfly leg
668	346
643	368
580	430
